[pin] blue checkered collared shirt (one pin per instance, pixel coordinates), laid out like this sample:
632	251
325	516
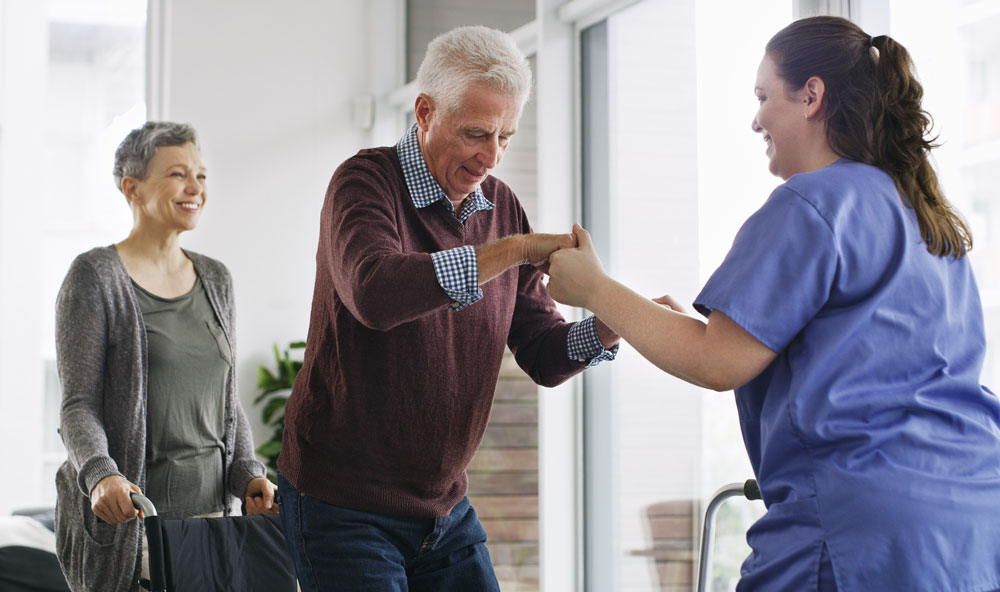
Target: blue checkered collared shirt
457	269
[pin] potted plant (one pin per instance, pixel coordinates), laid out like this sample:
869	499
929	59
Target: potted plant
274	391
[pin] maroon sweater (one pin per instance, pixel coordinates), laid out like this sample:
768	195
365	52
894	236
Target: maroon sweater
396	389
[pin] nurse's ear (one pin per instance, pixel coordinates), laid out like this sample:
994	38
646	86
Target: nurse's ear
812	93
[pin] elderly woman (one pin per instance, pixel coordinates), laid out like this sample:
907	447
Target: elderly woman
144	335
848	321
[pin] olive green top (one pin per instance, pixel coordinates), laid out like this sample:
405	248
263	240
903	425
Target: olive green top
189	359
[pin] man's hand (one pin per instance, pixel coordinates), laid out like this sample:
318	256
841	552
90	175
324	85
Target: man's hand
575	273
538	247
111	499
500	255
260	497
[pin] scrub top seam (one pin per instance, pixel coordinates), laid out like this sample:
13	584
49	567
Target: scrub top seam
826	539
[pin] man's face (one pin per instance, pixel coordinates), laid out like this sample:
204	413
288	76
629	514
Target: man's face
461	147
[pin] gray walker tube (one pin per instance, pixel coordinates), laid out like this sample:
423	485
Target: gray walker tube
750	491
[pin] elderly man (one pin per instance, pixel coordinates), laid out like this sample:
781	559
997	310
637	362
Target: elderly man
422	279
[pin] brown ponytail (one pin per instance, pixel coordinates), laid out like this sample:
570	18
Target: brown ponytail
873	114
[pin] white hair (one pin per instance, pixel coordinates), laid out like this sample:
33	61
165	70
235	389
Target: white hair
473	55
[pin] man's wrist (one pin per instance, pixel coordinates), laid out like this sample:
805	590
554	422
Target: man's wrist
500	255
608	337
457	272
584	345
515	249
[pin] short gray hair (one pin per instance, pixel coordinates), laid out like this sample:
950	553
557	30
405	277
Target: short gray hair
137	149
469	55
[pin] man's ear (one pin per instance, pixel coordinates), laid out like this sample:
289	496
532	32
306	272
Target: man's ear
813	93
423	108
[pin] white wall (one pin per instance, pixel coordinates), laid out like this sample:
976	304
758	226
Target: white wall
269	87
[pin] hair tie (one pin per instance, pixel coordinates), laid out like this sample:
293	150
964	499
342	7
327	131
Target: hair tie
871	41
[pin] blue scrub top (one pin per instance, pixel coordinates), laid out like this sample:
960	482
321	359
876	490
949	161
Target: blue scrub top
870	432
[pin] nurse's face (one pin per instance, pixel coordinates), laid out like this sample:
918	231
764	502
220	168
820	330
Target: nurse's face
782	120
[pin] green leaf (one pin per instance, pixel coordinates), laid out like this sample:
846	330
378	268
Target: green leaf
273	410
274	405
269	449
286	371
265	378
268	391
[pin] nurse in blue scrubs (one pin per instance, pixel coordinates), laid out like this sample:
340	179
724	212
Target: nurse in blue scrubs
847	319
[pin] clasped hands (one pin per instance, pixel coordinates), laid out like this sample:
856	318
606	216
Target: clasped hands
572	264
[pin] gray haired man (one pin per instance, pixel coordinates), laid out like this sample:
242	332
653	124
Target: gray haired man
422	279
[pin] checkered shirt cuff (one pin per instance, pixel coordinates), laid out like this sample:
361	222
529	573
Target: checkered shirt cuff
585	347
457	271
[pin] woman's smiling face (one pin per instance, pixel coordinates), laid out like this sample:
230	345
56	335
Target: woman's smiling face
782	119
173	193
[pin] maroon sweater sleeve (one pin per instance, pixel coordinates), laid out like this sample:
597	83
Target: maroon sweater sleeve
361	248
538	333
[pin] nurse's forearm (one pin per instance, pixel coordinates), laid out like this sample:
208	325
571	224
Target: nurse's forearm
717	355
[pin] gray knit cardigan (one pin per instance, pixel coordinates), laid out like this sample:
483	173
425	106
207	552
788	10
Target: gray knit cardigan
101	356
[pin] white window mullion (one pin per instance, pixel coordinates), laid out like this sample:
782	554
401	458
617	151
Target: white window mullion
157	60
559	448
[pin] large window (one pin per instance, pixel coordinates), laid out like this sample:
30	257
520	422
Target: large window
670	171
955	46
72	86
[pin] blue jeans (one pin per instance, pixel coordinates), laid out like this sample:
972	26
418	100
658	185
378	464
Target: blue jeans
339	549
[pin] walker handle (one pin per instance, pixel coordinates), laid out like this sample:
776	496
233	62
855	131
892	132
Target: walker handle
154	543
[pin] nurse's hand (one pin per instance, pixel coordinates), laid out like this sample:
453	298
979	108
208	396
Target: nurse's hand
575	274
111	499
260	497
540	246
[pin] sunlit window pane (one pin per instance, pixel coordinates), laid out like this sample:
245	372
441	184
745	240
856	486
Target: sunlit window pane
665	191
74	88
955	46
